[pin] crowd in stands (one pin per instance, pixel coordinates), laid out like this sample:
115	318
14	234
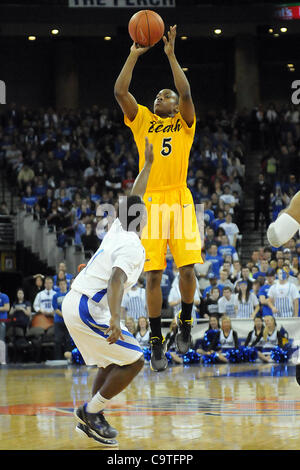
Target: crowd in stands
64	165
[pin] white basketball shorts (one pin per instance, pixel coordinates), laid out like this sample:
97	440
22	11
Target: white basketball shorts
87	323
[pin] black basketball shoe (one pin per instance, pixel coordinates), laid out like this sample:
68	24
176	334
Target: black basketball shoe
96	423
158	361
183	338
85	431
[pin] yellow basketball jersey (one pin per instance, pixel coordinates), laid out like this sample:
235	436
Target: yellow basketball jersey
171	139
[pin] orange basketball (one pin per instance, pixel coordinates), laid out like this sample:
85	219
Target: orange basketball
146	27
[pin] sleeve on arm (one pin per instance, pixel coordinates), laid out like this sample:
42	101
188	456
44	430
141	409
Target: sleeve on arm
139	120
189	130
127	258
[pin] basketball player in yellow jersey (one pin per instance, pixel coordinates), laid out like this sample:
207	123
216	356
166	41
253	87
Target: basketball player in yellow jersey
171	213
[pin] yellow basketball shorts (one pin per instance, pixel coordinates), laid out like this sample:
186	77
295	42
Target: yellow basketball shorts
171	220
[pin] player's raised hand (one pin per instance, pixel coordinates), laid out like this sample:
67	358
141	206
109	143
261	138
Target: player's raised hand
138	50
149	157
170	42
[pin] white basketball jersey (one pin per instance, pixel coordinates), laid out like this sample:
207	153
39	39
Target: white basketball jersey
120	249
227	342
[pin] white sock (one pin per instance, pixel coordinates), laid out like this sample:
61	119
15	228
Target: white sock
2	352
96	404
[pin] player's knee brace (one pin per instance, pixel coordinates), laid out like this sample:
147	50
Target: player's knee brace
282	230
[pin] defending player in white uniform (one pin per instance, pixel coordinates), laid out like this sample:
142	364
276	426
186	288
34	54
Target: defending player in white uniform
282	230
286	224
91	311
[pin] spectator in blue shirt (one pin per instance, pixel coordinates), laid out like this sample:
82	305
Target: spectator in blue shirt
263	293
29	200
4	309
218	221
215	259
262	272
226	249
61	334
62	267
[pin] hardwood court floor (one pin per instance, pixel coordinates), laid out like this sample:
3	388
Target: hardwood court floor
243	406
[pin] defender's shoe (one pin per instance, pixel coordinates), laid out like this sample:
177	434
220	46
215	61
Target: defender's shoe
97	424
158	360
84	431
183	338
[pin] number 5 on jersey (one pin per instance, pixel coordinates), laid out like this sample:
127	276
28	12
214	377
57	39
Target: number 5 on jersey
166	147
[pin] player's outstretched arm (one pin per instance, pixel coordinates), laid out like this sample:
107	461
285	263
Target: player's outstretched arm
286	224
115	291
125	99
140	184
186	105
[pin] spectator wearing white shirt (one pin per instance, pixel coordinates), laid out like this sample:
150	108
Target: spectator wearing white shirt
202	270
43	300
134	303
227	197
143	332
226	303
231	229
174	298
284	296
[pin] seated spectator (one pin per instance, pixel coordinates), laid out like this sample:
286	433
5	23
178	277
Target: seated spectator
215	259
226	338
202	270
62	267
3	208
271	338
166	284
61	333
35	285
231	229
130	325
214	282
29	200
61	276
143	332
134	302
209	306
89	240
255	337
25	177
4	309
20	311
262	271
218	221
246	303
226	249
170	342
295	265
284	296
227	197
42	305
204	346
263	293
226	303
236	273
224	279
210	238
174	298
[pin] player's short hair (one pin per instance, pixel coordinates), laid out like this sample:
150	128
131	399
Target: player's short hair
130	212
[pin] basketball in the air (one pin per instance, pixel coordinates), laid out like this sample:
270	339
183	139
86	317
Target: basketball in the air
146	27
